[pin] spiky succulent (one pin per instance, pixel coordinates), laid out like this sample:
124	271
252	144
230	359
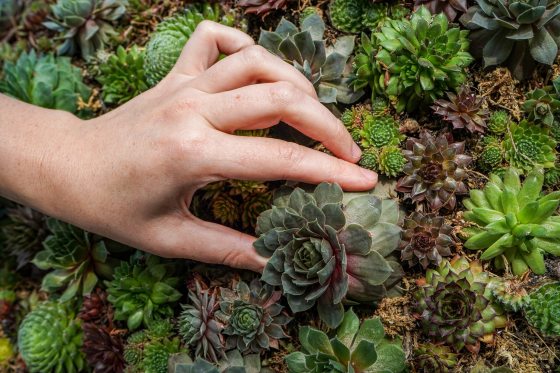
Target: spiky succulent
463	110
528	146
254	320
76	257
435	171
324	249
141	292
356	347
517	223
499	122
510	294
455	305
370	159
552	176
391	160
50	338
47	81
431	358
451	8
261	7
543	309
156	355
199	328
103	349
425	239
413	62
233	363
380	130
517	33
85	25
542	104
491	157
171	35
306	49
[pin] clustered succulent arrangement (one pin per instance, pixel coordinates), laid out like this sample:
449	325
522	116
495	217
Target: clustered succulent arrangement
448	265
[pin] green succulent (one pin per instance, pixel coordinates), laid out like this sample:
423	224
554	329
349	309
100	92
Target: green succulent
254	320
542	104
499	122
391	161
171	35
76	257
490	158
325	247
543	309
234	362
510	294
413	62
528	146
456	306
134	348
552	176
554	130
85	25
306	49
252	207
430	358
356	347
481	367
142	292
348	15
517	33
517	224
122	75
9	11
6	351
379	131
47	81
156	355
50	339
370	159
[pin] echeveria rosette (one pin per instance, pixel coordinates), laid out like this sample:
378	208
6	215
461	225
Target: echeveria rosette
527	146
356	348
542	104
463	110
455	305
233	363
516	223
451	8
260	7
324	250
543	309
430	358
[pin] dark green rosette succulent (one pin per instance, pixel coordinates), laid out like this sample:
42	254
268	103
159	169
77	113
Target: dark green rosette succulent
516	223
543	309
326	247
306	49
77	258
528	146
356	348
432	358
517	33
50	339
542	104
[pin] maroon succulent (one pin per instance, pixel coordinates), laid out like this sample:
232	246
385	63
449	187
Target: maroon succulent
463	110
451	8
261	7
103	348
96	309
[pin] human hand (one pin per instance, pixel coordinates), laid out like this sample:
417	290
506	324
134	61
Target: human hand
130	174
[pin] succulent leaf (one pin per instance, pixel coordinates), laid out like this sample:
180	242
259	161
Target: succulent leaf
543	309
463	110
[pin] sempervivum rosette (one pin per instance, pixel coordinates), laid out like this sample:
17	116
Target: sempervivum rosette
323	250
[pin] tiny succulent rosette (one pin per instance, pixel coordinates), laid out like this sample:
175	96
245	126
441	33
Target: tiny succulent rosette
430	358
543	309
451	8
463	110
103	349
234	362
516	223
261	7
499	122
356	347
435	171
325	247
529	146
380	130
353	16
455	305
253	317
542	104
305	48
510	293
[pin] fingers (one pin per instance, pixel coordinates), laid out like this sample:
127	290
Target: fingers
253	64
264	105
257	158
205	45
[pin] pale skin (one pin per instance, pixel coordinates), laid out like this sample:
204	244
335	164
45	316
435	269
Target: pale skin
130	174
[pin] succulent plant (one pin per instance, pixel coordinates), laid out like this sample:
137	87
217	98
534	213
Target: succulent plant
171	35
6	350
370	159
96	309
510	294
435	171
233	363
356	347
517	33
323	249
85	24
353	16
252	207
198	326
451	8
463	110
529	146
455	305
380	130
254	320
156	355
141	292
542	104
391	161
426	239
499	122
430	358
482	367
517	223
50	338
543	309
9	14
491	157
47	81
306	49
552	177
413	62
261	7
103	349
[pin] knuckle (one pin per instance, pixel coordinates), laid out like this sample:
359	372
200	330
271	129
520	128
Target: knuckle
284	93
206	27
291	153
254	55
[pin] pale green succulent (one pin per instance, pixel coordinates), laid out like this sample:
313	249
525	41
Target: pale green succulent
499	122
543	309
391	161
380	130
529	146
234	362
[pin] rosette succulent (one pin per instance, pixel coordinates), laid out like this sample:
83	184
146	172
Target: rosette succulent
463	110
141	292
543	309
413	62
103	349
324	249
85	25
455	305
47	81
253	317
499	122
198	326
233	363
76	257
491	156
517	224
430	358
510	294
451	8
552	176
391	161
380	130
370	159
306	49
517	33
9	14
542	104
356	347
426	239
353	16
50	339
261	7
435	171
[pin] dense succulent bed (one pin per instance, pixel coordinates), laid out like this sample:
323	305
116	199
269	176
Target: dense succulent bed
449	265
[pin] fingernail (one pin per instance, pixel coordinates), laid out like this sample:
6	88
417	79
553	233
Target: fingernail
356	151
369	175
